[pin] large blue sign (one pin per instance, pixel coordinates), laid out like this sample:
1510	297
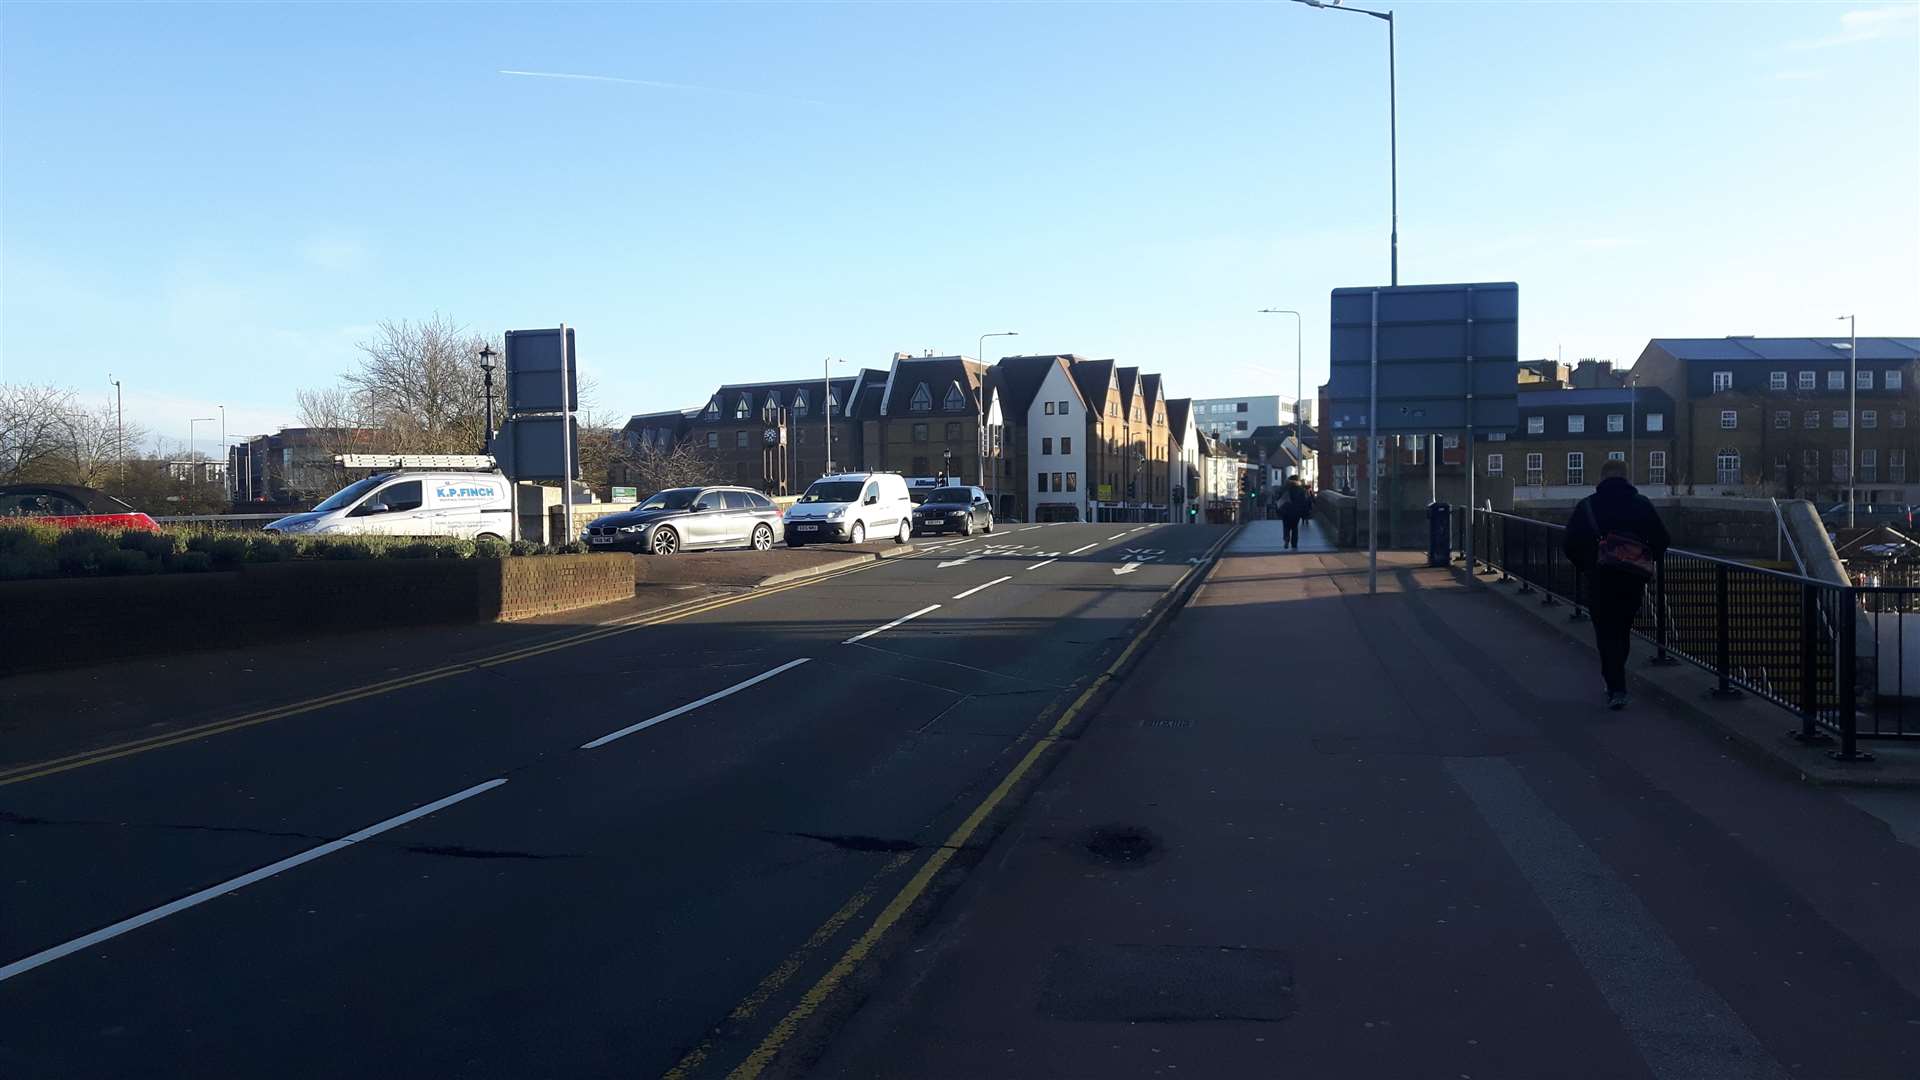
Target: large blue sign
1439	348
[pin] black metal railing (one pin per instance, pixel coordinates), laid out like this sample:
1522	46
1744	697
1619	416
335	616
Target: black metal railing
1835	655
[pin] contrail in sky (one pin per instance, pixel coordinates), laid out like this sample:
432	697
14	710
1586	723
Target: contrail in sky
655	84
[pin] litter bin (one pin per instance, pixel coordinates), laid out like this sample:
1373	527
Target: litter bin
1439	535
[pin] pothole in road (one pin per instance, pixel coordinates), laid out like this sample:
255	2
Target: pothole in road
1122	845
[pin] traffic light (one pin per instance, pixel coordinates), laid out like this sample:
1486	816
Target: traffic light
1192	512
1129	489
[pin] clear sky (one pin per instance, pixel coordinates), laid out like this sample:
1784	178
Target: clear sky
215	202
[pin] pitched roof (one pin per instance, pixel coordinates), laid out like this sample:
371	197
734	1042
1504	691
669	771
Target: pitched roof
1809	349
1150	389
1019	378
938	373
1129	380
1093	377
1177	411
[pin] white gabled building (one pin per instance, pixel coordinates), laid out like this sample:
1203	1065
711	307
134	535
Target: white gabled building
1056	430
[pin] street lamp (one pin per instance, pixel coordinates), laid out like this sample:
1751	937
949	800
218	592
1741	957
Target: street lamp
486	376
1853	420
225	476
190	425
987	440
1393	126
1299	362
826	405
1633	426
119	429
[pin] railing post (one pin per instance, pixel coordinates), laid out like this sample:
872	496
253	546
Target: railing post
1506	550
1810	667
1845	668
1578	579
1723	635
1660	655
1486	549
1546	556
1526	554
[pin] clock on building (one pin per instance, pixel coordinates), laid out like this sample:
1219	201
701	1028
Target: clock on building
772	436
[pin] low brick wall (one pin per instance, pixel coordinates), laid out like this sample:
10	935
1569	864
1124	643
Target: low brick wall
64	623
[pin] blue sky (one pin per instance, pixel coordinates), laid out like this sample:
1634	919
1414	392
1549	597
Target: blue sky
215	202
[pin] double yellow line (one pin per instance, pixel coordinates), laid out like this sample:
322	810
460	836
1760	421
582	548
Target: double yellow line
35	770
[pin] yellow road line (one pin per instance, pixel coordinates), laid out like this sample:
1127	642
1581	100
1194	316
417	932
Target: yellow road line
916	886
35	770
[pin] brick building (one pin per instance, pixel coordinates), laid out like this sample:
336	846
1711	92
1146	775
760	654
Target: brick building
733	429
926	418
1565	435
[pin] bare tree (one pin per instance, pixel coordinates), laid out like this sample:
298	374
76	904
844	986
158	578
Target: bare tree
48	436
422	386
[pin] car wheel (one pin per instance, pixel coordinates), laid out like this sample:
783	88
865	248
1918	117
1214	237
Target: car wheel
906	533
489	536
966	525
762	538
665	541
989	528
857	534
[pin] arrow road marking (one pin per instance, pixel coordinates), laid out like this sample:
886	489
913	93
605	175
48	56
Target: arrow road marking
1126	568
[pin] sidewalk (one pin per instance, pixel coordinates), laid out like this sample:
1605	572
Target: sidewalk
1319	834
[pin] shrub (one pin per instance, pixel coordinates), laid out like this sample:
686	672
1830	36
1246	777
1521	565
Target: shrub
127	561
156	546
193	562
491	549
421	549
21	563
525	547
229	550
572	547
82	551
347	549
22	536
458	549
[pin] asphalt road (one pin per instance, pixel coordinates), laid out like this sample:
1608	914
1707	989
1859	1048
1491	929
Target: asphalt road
579	863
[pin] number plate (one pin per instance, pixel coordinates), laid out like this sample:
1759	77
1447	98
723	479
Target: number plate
600	539
806	528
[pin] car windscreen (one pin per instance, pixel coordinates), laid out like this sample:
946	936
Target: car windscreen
832	491
671	499
951	495
346	496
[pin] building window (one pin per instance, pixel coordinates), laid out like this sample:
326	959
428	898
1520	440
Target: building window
1863	380
1049	408
1807	380
713	440
1898	418
1616	455
773	398
1536	466
1496	464
740	439
1656	421
1810	466
919	433
1063	408
1836	380
1722	380
1892	381
1729	419
922	401
1777	381
740	475
1869	466
1576	467
1239	425
1896	466
1066	444
1073	481
713	409
1616	421
1057	483
1726	465
1782	420
1536	425
920	466
1040	482
1113	407
1241	406
953	431
1576	424
799	403
1869	418
1656	466
1343	444
800	435
1783	467
1345	476
1839	464
955	400
1840	418
1449	442
1812	419
1046	446
743	408
833	403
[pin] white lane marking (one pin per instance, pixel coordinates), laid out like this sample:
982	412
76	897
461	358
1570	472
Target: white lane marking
1142	528
691	705
891	625
961	561
1030	528
1078	550
1038	565
988	585
1679	1024
1116	536
1127	568
48	956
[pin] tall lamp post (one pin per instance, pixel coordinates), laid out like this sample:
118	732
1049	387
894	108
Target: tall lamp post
826	406
987	441
226	475
1299	380
1633	427
119	429
486	378
1853	419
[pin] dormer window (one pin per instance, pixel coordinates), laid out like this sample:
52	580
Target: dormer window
713	409
773	398
833	404
743	408
922	401
800	403
955	400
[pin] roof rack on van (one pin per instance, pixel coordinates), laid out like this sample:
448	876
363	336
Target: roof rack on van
415	461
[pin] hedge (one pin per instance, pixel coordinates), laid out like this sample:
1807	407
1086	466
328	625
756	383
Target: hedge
30	549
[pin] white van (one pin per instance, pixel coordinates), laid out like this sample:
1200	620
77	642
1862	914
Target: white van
471	505
854	507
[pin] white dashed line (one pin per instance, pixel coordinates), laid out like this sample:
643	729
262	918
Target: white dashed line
891	625
1038	565
988	585
1116	536
47	956
1078	550
690	706
1030	528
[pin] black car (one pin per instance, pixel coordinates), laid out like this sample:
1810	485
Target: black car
953	509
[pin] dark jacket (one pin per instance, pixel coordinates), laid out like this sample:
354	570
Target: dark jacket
1617	507
1294	503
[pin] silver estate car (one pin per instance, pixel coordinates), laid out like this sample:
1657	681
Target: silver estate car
689	519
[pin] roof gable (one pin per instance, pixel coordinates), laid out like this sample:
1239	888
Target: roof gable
1095	379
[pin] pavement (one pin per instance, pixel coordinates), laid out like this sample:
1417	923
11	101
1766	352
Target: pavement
1322	834
609	847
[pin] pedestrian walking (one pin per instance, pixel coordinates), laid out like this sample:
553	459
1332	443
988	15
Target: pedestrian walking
1616	538
1295	506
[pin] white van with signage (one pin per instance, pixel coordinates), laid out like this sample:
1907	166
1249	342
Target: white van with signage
853	507
470	505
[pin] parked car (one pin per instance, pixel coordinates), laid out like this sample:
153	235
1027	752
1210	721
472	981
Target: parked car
954	509
851	507
689	519
470	505
68	505
1895	514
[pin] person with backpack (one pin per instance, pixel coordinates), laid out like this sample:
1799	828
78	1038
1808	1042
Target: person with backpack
1616	539
1295	507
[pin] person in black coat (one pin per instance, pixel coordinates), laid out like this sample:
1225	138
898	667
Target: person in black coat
1295	506
1613	595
